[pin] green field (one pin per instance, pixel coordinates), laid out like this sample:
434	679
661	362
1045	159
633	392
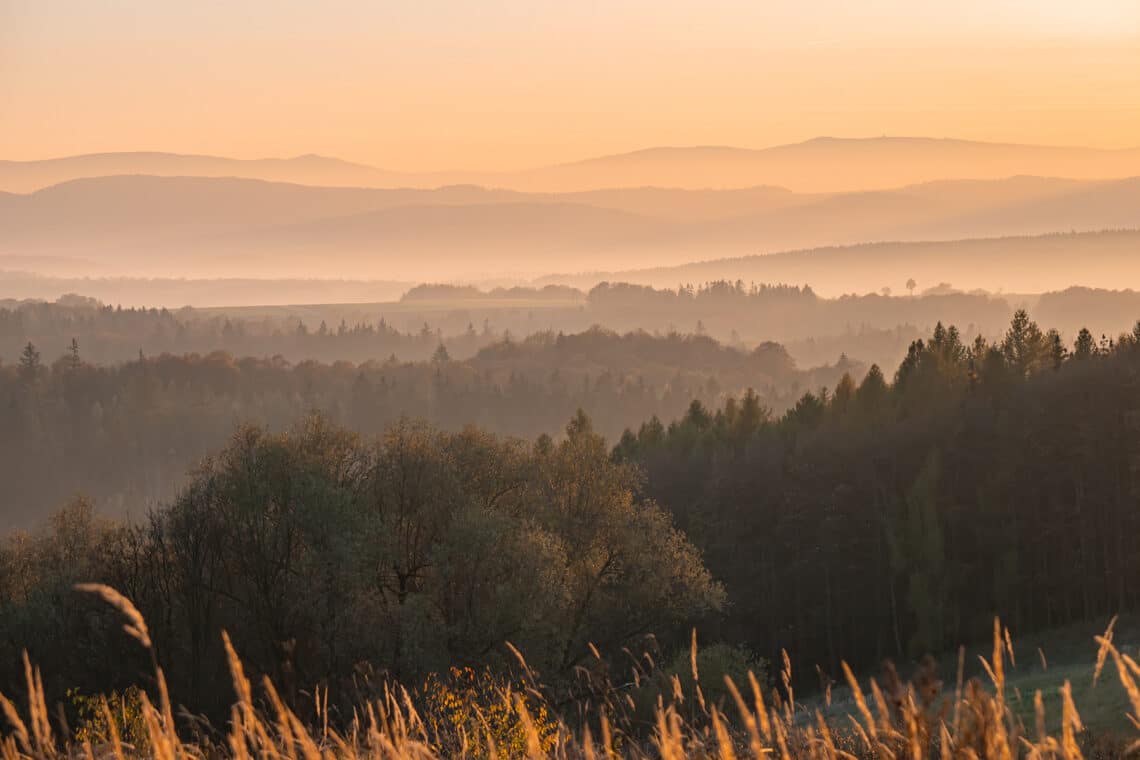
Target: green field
1043	662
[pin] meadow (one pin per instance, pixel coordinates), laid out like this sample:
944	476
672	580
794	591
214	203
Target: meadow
467	714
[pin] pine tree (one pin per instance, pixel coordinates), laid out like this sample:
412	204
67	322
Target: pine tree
873	391
918	554
73	360
844	393
1024	343
1056	347
1085	345
29	363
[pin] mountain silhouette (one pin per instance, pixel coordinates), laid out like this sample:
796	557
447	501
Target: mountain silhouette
819	165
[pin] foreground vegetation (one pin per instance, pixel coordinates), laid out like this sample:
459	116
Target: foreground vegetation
469	715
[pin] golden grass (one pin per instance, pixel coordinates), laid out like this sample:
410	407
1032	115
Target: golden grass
899	722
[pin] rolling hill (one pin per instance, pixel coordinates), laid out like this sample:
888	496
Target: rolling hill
28	176
819	165
227	227
829	164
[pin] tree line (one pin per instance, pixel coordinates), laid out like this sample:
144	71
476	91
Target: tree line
126	434
873	328
110	334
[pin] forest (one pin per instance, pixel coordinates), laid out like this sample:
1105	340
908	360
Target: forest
896	518
884	517
128	432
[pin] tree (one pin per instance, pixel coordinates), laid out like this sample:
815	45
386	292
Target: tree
440	354
29	363
885	291
753	414
918	554
1055	348
844	393
73	359
1085	345
1024	344
873	391
629	571
911	285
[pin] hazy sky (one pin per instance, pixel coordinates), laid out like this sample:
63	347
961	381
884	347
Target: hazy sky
432	84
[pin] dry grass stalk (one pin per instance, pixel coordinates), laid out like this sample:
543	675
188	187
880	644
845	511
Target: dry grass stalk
861	703
1105	641
136	625
391	728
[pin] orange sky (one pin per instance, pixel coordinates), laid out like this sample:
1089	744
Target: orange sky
501	84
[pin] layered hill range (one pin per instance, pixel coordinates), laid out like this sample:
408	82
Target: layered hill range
148	214
824	164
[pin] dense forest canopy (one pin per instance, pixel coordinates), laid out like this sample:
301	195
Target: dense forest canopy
896	518
128	432
884	517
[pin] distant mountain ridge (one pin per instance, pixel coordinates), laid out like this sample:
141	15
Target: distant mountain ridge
228	227
310	169
825	164
829	164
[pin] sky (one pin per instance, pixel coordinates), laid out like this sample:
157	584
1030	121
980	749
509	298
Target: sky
508	84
